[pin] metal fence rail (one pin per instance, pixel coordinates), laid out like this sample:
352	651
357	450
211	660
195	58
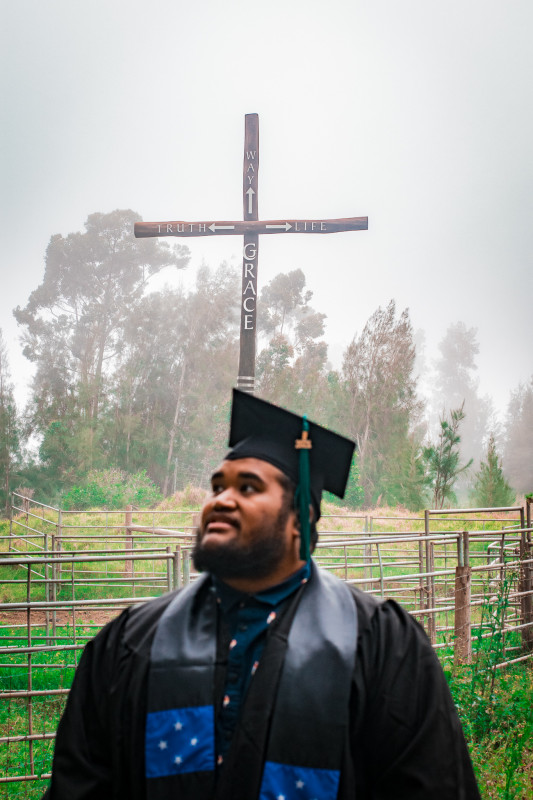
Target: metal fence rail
63	576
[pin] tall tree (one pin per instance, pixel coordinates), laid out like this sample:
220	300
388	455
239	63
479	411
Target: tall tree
9	429
444	459
381	409
457	385
177	366
73	323
292	368
518	450
282	302
491	489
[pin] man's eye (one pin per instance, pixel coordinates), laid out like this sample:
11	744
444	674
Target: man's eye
248	488
217	488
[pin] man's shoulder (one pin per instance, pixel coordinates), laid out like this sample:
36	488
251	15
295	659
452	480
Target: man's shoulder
134	628
142	620
381	613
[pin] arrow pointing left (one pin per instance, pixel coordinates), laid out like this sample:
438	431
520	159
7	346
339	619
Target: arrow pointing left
214	227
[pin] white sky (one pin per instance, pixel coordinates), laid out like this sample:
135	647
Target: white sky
418	114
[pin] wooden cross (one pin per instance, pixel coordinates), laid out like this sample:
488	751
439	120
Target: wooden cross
250	228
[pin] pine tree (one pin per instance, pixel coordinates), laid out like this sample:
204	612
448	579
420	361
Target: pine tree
443	459
491	489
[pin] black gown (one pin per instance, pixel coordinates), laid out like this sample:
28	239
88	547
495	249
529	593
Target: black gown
405	739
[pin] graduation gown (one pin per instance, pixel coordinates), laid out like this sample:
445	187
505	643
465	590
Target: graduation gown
404	738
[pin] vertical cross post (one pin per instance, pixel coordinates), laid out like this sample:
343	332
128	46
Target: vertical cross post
246	376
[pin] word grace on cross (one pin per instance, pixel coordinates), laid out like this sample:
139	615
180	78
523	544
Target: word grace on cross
251	227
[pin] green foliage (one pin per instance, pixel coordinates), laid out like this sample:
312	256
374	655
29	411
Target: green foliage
10	454
403	481
496	706
112	488
379	407
490	487
354	495
443	459
282	301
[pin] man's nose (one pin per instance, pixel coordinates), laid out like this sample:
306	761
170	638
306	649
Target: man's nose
226	498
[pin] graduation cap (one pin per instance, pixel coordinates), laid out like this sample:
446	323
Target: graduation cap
314	458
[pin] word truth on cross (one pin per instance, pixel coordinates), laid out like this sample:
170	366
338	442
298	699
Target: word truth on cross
251	227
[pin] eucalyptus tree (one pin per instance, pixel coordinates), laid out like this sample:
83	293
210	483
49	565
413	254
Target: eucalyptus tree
73	323
292	367
9	429
381	409
178	363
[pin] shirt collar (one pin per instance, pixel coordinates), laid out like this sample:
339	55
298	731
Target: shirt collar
273	596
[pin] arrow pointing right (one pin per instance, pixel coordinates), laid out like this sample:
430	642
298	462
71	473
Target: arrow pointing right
286	227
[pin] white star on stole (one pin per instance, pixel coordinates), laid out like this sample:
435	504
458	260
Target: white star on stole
162	745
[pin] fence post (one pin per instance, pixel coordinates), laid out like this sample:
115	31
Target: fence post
526	580
186	567
11	520
128	564
30	676
463	589
422	586
176	561
367	559
169	569
53	587
432	600
196	520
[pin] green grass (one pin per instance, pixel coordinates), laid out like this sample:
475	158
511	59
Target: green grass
50	670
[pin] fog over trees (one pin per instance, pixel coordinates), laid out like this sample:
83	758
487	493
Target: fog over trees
136	378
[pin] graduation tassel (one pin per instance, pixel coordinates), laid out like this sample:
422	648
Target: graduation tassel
303	491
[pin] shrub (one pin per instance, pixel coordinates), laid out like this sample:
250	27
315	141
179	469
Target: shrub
113	489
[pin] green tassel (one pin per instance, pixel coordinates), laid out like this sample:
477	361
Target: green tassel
303	498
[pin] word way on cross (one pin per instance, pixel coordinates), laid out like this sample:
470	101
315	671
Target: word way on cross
250	227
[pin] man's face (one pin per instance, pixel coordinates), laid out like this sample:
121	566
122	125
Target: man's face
247	530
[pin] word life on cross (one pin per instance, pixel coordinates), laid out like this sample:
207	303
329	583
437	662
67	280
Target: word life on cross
251	227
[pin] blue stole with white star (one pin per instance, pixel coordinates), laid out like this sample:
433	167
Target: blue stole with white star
293	728
180	724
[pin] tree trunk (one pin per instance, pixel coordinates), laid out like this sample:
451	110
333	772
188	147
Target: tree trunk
174	429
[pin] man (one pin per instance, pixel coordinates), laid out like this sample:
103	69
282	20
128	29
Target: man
266	678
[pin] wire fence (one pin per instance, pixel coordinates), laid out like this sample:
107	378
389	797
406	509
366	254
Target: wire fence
63	575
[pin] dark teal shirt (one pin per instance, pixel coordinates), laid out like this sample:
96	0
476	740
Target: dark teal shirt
247	618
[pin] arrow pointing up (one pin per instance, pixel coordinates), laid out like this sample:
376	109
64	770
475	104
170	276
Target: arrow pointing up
250	192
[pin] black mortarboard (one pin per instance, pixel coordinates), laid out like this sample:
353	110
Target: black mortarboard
265	431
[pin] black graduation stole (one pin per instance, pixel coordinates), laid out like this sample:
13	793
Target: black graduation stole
293	728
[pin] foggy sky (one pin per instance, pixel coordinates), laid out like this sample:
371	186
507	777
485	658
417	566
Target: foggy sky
416	114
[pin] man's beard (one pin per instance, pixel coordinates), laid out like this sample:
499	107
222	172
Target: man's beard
255	559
